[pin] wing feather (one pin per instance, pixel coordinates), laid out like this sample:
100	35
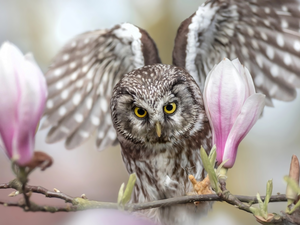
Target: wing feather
263	34
81	80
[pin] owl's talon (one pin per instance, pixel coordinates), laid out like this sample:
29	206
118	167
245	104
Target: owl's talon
201	187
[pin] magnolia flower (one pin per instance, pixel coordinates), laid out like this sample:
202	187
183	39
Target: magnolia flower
23	94
232	107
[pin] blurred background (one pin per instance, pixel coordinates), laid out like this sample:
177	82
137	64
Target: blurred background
43	26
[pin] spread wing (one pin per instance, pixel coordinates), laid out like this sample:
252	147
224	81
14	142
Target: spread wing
263	34
82	77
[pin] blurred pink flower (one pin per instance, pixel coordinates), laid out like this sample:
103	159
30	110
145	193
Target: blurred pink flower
23	94
232	107
107	217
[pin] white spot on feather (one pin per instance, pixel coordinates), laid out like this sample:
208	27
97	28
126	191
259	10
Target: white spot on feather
84	134
241	38
284	24
73	44
284	8
274	70
73	65
89	87
297	46
259	61
245	52
74	75
101	135
66	57
267	22
78	117
64	129
270	52
259	80
112	134
287	59
85	58
57	72
273	90
279	40
95	120
62	111
64	94
49	104
89	103
85	69
264	36
79	83
254	44
267	10
103	104
250	31
59	85
76	99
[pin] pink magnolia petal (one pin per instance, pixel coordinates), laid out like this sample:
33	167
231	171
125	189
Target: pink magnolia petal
225	93
206	104
26	92
250	113
249	81
245	74
10	59
30	109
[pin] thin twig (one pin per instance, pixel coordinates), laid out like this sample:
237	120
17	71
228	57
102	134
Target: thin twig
15	184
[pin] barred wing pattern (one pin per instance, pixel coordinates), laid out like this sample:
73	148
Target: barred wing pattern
263	34
82	77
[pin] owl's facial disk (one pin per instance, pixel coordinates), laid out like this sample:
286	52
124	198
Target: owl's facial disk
158	115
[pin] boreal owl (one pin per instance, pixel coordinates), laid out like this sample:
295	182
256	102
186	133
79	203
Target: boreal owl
157	110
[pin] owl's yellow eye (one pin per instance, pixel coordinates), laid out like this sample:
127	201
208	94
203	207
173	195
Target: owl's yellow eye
140	112
170	108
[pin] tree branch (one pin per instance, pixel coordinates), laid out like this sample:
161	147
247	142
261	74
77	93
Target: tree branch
80	203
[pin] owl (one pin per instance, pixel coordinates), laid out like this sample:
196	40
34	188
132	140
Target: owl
112	81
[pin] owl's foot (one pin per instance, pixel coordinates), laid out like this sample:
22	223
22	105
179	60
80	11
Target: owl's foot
201	187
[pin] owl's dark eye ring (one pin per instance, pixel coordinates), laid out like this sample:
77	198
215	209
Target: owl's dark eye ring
140	112
170	108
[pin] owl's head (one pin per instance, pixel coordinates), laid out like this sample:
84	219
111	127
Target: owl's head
157	105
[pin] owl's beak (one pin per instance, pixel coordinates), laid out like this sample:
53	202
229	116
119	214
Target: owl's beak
158	129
